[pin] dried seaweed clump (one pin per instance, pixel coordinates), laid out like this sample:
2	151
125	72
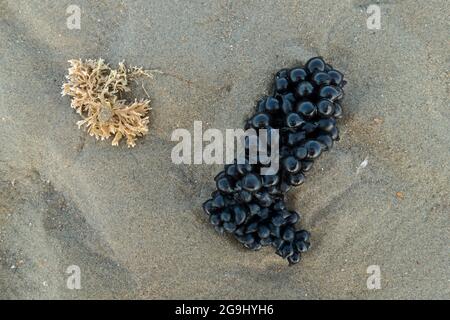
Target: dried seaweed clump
97	91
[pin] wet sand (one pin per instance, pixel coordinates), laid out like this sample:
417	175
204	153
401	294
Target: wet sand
132	220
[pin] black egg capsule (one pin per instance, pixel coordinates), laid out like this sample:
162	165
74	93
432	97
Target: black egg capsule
320	78
270	180
294	139
309	127
232	171
281	85
263	231
294	258
304	89
314	149
325	108
266	241
297	75
277	220
239	232
248	239
254	208
301	246
225	216
284	187
293	218
293	120
208	207
315	64
330	92
251	182
326	124
265	201
290	164
264	213
229	227
279	205
283	73
288	234
296	179
334	133
218	201
337	110
245	196
214	219
223	184
286	250
286	104
244	168
336	77
260	120
307	165
252	227
300	153
302	235
239	215
261	105
306	109
326	141
272	105
275	231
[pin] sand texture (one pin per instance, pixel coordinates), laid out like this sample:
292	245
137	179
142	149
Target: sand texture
132	220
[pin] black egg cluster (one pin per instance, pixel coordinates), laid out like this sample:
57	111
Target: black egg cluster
304	108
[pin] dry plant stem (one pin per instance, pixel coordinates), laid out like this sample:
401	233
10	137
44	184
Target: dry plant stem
95	89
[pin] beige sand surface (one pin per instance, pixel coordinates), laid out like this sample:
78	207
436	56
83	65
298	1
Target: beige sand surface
131	219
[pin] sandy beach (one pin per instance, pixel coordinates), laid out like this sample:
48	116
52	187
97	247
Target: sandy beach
132	220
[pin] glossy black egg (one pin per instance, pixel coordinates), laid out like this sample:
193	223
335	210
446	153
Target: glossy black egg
326	141
302	235
229	227
293	218
307	165
260	120
325	108
263	231
326	124
315	64
245	196
288	234
251	182
223	184
304	89
208	207
272	105
214	219
293	120
240	215
306	109
296	179
281	85
291	164
277	220
330	92
320	78
300	153
270	180
336	77
286	250
337	110
294	258
297	75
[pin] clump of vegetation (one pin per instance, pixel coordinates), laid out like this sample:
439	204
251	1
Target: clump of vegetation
97	95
